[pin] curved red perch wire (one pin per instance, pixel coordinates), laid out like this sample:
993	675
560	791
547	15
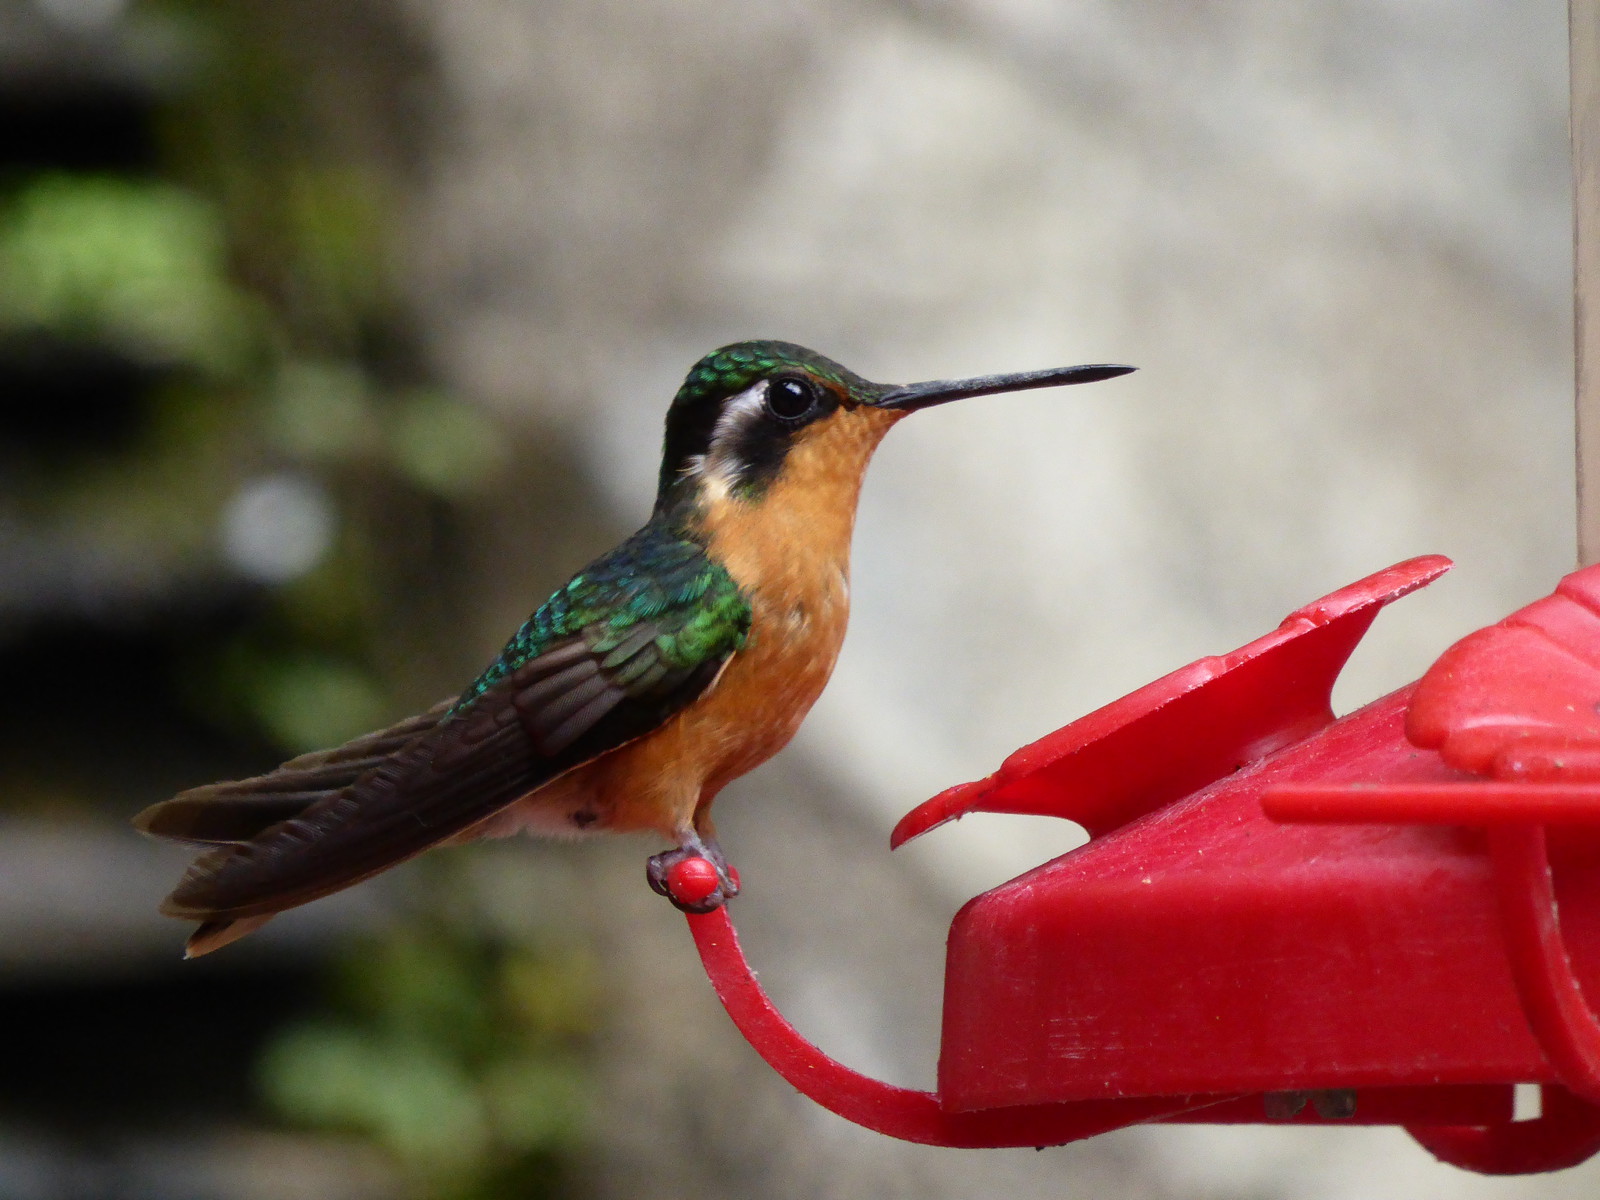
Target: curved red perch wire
1562	1021
896	1111
1568	1133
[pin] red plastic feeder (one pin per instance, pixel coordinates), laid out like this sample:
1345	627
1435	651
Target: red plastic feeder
1280	915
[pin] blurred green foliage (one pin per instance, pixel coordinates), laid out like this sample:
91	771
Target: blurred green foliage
137	264
252	271
289	462
461	1053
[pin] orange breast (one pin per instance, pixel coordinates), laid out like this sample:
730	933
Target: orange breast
789	551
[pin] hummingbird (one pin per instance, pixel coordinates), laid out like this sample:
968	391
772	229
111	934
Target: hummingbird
660	672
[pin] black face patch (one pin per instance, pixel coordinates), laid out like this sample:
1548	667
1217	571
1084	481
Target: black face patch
757	429
723	376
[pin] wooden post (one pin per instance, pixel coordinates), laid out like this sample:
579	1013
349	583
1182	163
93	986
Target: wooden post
1583	20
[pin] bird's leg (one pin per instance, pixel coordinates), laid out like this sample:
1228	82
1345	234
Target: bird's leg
693	843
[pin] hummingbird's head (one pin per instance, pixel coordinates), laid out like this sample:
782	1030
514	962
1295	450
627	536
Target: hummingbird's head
756	412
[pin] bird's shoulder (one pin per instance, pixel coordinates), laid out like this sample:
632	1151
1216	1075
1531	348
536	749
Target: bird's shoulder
659	595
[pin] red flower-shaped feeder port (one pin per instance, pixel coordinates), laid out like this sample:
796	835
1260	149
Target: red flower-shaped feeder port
1280	915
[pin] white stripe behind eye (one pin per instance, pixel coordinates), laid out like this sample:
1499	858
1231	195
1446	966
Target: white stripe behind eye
719	466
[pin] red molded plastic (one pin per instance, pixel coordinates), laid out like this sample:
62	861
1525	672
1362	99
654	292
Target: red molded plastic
1274	901
1207	943
1188	728
904	1113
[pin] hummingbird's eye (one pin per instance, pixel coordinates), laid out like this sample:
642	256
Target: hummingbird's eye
791	399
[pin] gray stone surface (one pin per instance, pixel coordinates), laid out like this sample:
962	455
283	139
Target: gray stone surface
1333	236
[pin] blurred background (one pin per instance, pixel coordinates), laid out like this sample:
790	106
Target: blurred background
333	336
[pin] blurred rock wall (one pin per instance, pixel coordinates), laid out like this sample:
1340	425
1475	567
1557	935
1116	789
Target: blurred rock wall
1333	236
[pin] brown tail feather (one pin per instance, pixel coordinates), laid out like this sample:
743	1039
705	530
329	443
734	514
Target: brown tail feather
208	818
214	935
393	812
236	811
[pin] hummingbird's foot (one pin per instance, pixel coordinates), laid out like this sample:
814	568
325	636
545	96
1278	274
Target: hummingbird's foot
691	891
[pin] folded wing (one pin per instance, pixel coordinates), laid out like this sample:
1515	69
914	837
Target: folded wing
605	661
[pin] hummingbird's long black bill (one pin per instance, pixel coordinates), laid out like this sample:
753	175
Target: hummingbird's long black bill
939	391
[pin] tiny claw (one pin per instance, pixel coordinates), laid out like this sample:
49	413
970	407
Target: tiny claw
656	875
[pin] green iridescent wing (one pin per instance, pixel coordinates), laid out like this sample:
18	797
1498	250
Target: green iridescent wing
626	644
